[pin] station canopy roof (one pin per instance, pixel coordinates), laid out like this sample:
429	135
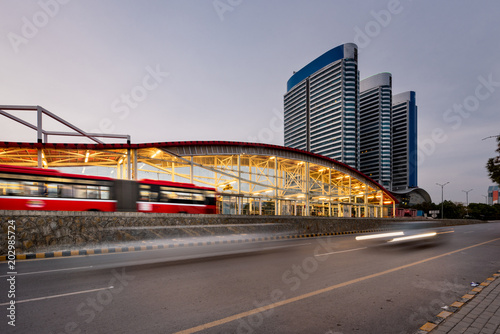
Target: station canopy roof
80	154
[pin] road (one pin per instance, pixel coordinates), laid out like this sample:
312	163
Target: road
327	285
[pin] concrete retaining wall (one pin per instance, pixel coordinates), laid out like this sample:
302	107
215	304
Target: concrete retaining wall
49	230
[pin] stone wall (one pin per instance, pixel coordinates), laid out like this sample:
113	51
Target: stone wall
50	230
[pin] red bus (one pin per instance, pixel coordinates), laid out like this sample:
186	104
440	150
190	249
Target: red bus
173	197
27	188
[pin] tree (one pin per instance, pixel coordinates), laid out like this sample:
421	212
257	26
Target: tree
493	165
453	210
484	211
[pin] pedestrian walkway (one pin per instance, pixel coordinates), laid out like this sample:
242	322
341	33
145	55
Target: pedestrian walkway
478	312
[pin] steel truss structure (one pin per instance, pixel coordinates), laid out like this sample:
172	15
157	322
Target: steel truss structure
250	178
43	134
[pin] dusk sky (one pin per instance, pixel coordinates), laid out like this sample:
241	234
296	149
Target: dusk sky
217	70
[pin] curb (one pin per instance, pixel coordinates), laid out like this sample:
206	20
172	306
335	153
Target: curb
429	326
108	250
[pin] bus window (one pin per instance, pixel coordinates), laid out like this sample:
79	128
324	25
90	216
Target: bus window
79	191
13	188
167	196
93	192
32	188
104	192
52	189
64	191
4	187
199	197
185	196
170	194
153	196
43	189
147	193
144	195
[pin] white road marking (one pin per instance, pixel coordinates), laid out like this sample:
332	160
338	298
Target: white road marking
57	296
269	248
344	251
48	271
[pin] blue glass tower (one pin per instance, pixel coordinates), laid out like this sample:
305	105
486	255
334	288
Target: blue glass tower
375	133
321	105
404	141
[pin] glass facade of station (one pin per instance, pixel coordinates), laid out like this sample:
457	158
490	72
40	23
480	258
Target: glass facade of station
251	179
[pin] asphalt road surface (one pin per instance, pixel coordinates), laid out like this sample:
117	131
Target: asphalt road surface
327	285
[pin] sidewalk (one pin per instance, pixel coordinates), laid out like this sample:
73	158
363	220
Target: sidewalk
478	312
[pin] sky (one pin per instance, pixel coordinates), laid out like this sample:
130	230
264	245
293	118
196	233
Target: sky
165	70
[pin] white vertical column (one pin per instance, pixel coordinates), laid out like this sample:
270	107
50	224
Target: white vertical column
191	172
277	207
134	164
307	176
39	158
330	192
239	173
239	199
365	200
350	197
129	165
381	203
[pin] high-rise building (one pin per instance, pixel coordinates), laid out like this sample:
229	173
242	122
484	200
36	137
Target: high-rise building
493	197
404	141
375	142
321	105
328	111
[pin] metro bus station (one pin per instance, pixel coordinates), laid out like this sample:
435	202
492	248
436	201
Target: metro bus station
249	178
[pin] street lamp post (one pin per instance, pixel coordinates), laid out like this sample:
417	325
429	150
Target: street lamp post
442	198
485	199
467	200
